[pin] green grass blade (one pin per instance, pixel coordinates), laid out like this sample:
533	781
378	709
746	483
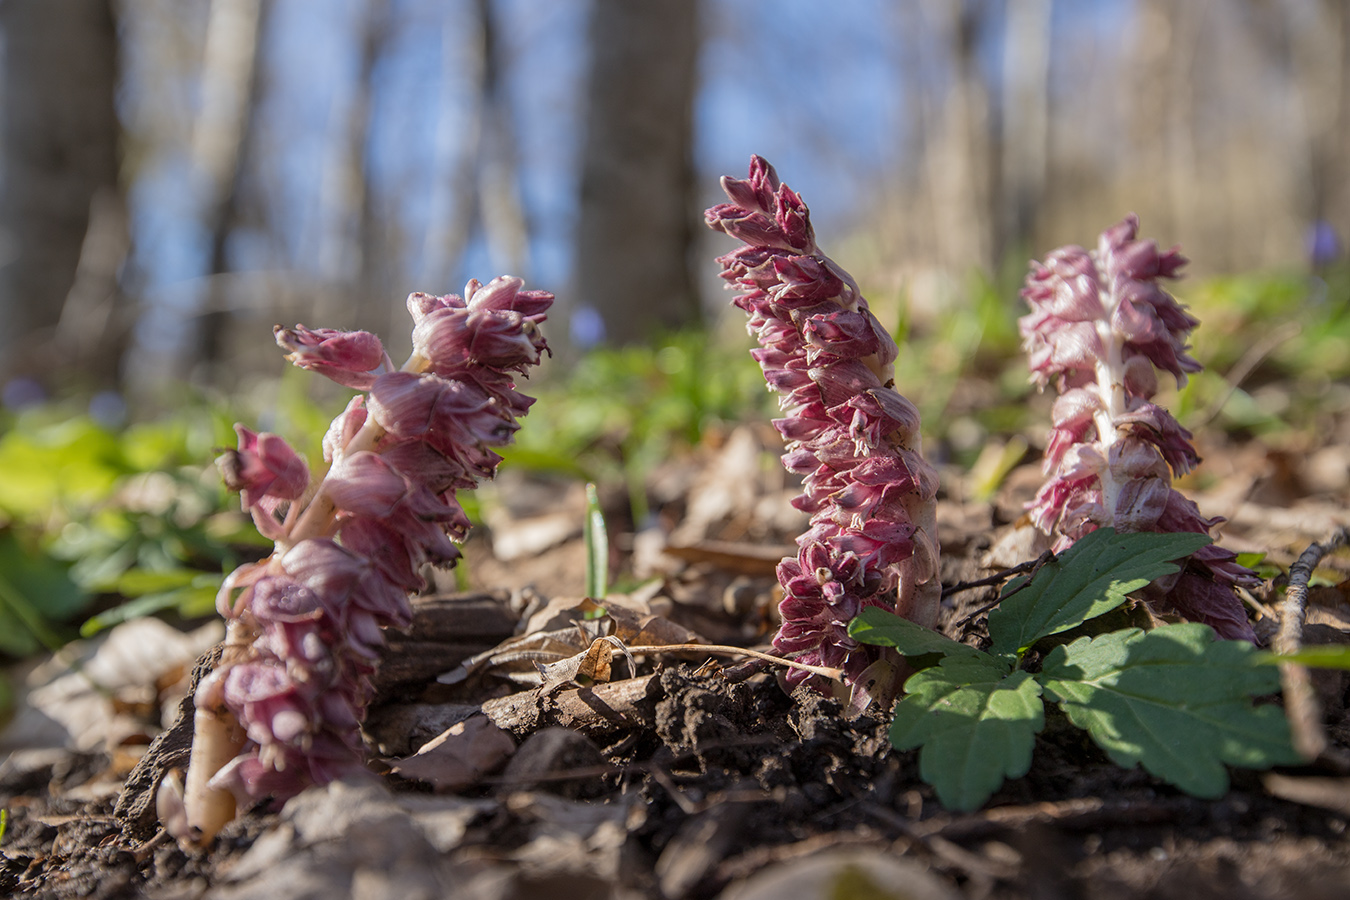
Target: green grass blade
597	547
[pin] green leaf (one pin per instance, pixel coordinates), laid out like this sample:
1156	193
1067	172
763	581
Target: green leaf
875	625
975	724
1090	578
35	591
1325	656
137	582
71	462
1174	700
190	601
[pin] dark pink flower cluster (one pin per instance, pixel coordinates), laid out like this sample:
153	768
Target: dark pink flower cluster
1099	329
873	537
305	623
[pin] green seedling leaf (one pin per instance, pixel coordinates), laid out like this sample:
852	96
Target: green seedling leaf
1174	700
976	725
597	547
192	600
1326	656
1090	578
875	625
35	591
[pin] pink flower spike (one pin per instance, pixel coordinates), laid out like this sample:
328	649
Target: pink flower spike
870	493
305	626
348	357
1100	328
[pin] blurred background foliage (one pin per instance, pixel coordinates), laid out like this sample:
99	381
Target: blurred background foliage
176	176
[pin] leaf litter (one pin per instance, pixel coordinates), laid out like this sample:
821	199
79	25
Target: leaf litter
690	780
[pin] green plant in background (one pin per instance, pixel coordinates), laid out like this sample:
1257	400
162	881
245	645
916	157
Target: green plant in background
1277	345
620	412
1173	699
121	522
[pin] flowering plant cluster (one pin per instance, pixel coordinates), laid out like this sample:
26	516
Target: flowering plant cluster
1100	329
871	495
282	708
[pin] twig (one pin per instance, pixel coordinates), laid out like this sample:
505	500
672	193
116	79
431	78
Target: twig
1244	367
826	671
1300	701
1032	567
946	851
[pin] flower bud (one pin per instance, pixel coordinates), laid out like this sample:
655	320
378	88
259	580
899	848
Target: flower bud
347	357
265	470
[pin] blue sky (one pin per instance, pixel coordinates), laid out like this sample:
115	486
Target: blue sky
816	88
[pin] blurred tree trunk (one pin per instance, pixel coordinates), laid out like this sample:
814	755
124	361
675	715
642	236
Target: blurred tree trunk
352	255
1161	97
1026	120
498	163
960	160
229	85
1320	58
481	187
638	206
60	207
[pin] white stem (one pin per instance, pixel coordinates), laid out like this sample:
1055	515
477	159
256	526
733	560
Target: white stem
1111	388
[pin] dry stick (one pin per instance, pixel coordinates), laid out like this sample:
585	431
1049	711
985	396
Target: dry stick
1300	701
1033	567
1244	367
827	671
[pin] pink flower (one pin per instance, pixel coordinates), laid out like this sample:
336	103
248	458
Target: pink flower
872	539
1099	326
263	466
267	473
347	357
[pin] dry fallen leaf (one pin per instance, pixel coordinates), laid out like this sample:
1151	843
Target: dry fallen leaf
460	756
114	691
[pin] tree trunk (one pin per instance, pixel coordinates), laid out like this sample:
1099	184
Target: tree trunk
638	210
480	187
219	139
1026	120
959	160
59	146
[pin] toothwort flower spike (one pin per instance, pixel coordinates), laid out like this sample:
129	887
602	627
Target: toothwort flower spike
871	495
281	710
1100	329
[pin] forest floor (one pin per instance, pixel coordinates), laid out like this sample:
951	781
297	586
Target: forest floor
687	778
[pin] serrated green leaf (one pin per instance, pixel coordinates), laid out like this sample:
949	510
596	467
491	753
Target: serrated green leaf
1090	578
875	625
1325	656
975	724
1174	700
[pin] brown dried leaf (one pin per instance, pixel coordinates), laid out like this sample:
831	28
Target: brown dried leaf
460	756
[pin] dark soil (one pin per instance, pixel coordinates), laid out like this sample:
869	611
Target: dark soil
732	777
